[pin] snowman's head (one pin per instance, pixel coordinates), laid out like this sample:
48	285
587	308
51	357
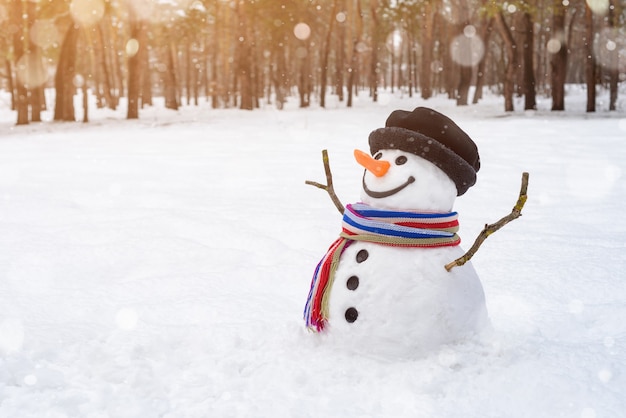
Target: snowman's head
423	161
399	180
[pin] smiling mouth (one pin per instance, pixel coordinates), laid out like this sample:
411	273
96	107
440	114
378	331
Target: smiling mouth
378	195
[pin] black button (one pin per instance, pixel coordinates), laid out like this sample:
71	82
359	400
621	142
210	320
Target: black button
351	315
352	283
361	256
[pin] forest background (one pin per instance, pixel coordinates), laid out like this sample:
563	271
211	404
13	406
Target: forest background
241	53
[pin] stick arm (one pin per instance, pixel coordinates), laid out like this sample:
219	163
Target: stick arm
329	183
491	228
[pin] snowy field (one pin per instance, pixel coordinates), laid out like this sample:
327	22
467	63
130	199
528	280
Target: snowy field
159	267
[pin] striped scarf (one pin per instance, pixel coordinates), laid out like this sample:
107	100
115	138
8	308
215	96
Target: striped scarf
364	223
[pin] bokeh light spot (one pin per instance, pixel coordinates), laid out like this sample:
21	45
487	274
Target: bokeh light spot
44	33
302	31
132	47
87	12
553	46
609	49
361	47
144	9
30	69
467	51
341	17
4	13
436	66
598	7
394	42
469	31
78	81
610	45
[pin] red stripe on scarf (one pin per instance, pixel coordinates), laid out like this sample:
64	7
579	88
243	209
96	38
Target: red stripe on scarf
317	319
440	225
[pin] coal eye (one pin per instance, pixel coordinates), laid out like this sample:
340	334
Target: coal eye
400	160
378	156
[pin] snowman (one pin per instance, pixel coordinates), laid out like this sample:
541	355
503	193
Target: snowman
382	287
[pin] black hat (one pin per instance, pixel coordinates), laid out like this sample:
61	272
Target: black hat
434	137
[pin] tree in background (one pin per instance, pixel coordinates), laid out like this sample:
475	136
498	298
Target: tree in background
20	44
590	60
237	52
136	49
558	47
511	60
528	54
612	47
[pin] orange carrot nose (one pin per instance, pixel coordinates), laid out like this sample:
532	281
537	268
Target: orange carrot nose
376	167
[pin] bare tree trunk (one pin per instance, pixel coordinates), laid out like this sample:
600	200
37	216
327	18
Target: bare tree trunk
278	76
613	60
64	78
354	59
85	102
451	68
34	53
427	50
146	81
590	61
485	33
171	96
465	70
326	52
206	58
113	58
511	65
541	54
101	64
409	59
244	58
465	79
558	62
197	82
137	32
10	84
20	41
340	56
187	43
214	61
530	102
107	38
375	35
303	80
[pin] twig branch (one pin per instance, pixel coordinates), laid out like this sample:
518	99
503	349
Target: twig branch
490	229
329	183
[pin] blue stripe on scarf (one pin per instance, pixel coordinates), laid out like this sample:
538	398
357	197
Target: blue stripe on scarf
383	228
365	210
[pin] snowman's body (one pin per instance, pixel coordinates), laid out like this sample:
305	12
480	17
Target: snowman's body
401	300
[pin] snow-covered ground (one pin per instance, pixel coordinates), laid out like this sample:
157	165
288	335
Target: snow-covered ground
159	267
